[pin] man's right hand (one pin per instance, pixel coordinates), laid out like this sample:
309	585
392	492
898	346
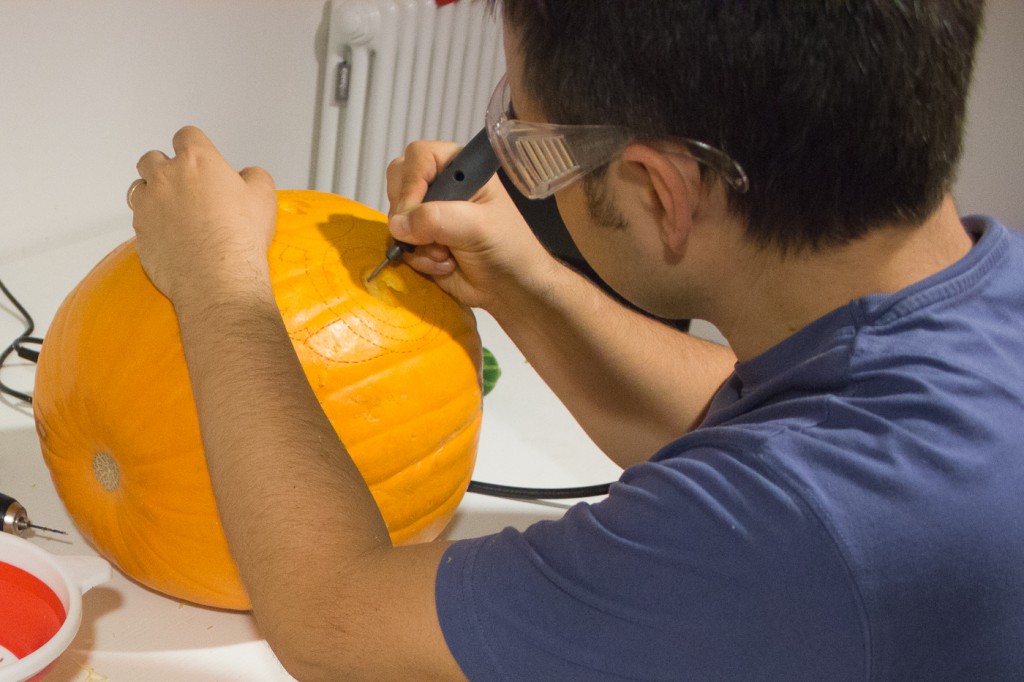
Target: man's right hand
480	251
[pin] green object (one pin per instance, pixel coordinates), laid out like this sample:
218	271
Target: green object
492	372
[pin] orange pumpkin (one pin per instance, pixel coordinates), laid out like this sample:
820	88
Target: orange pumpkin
394	363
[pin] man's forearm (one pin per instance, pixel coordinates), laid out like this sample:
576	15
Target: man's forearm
632	382
270	447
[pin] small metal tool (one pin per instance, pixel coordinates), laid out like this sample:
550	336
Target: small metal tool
15	518
468	172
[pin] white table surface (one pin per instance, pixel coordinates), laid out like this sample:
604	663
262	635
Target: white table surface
131	633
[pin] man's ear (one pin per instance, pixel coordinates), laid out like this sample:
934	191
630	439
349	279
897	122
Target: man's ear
674	190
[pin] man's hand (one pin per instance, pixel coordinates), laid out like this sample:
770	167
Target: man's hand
480	251
202	228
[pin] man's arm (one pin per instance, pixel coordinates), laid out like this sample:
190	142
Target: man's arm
631	382
332	596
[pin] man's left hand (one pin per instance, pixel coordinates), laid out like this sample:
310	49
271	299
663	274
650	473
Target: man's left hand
203	229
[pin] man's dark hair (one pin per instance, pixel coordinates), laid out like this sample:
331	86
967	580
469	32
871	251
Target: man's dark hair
845	114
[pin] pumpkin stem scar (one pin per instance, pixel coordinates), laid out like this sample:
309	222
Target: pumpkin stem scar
105	468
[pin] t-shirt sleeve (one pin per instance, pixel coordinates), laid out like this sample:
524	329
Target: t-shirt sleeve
698	567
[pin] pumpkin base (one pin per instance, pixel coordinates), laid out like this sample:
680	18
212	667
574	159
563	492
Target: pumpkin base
107	473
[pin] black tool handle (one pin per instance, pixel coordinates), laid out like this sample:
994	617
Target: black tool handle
6	501
468	172
12	515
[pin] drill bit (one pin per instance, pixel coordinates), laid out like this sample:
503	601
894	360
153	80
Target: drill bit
393	253
34	526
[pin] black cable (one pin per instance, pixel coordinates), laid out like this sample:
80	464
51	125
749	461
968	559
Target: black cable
516	493
16	345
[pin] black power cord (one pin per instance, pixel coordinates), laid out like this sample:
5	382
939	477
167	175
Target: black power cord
516	493
17	346
492	489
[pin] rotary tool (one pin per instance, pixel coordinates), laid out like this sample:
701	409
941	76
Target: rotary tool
468	172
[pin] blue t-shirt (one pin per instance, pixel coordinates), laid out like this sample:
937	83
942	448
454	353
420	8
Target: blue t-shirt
852	508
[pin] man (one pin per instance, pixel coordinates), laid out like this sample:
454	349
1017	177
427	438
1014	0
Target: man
845	502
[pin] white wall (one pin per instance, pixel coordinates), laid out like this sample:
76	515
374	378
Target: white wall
992	172
87	86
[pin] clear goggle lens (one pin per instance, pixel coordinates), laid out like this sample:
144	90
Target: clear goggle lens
542	158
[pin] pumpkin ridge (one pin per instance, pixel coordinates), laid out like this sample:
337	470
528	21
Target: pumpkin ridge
436	447
430	525
436	456
415	435
452	496
437	462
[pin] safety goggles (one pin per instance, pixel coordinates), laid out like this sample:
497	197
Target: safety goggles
542	158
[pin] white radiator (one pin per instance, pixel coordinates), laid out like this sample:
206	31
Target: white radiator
398	71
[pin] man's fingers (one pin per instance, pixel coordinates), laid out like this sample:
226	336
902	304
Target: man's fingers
409	176
256	176
393	183
187	138
421	225
190	137
435	252
149	161
431	266
454	225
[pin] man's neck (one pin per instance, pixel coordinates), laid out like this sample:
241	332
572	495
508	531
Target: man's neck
771	296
